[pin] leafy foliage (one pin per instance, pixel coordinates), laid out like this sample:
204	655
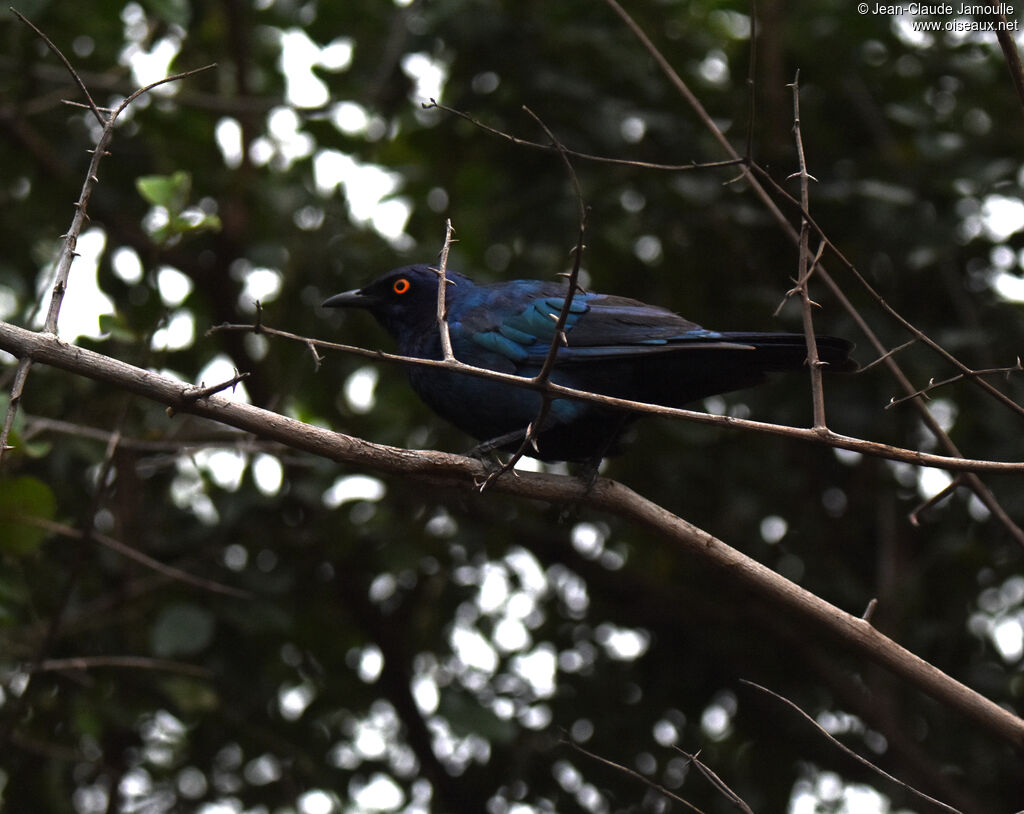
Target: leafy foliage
351	644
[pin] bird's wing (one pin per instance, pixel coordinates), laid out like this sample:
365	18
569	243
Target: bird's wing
597	327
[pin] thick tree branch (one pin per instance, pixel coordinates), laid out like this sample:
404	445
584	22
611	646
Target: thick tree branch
444	470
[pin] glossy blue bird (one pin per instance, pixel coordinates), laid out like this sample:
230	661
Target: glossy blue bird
615	346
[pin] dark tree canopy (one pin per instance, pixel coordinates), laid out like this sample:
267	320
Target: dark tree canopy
197	619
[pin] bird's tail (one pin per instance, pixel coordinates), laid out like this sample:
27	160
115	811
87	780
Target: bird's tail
788	351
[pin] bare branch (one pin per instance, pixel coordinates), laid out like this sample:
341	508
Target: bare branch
886	355
17	390
446	471
634	774
936	499
748	172
122	662
135	555
956	463
442	292
558	339
720	785
204	391
67	253
934	385
806	267
67	64
862	760
622	162
917	333
1011	55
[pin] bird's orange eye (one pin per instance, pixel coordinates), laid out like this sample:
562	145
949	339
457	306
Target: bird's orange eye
400	286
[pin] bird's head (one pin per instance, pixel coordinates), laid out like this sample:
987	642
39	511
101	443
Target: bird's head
404	300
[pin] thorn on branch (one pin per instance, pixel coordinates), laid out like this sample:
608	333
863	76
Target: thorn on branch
969	374
194	394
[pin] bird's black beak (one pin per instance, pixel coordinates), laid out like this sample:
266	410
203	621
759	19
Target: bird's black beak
350	299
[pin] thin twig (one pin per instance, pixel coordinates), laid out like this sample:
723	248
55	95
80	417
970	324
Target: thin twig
749	171
806	267
205	391
1011	54
916	332
600	159
224	438
634	774
846	750
67	64
933	385
177	77
752	84
559	338
915	516
720	785
677	82
14	403
67	252
953	463
442	292
891	352
130	662
169	571
56	620
458	473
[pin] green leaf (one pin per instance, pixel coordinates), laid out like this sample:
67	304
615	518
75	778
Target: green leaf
22	500
116	326
169	191
193	220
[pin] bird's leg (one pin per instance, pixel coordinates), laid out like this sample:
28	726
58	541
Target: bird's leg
485	448
588	470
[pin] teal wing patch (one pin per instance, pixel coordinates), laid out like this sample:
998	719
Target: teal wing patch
532	329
